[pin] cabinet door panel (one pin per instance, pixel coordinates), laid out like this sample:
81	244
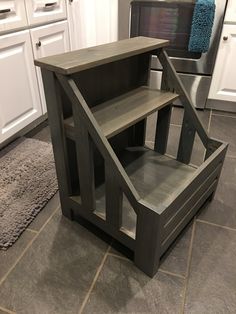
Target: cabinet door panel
49	40
12	15
230	15
20	102
43	11
92	22
224	77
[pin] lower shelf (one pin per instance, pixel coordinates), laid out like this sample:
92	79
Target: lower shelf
154	176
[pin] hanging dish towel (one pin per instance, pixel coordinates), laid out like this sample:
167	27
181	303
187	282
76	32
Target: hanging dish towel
202	23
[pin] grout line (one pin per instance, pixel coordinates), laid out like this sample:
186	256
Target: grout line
94	280
27	247
224	115
170	273
160	270
31	230
178	125
188	266
215	225
209	122
229	156
6	310
119	256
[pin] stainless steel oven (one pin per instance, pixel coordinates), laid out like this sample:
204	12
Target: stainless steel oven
171	19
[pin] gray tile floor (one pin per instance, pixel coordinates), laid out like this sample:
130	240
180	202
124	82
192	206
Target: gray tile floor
58	266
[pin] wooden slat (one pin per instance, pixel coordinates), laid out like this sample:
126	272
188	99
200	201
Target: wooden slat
192	184
187	204
85	164
118	114
114	197
186	141
79	60
189	215
163	121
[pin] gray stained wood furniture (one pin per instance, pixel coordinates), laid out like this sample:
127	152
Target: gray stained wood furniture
98	100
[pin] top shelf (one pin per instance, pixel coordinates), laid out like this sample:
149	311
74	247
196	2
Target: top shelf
83	59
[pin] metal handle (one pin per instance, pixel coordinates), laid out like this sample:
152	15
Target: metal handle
5	11
50	4
38	44
225	38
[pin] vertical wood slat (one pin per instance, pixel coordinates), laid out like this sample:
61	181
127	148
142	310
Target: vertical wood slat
85	162
163	120
186	141
162	129
114	199
55	117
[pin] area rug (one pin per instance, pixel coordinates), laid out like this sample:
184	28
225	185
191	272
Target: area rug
27	182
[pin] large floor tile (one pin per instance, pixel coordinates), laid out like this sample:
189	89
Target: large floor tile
224	128
212	285
122	288
9	257
45	213
222	210
56	272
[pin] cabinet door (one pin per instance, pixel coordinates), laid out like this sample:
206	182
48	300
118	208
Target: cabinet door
223	85
49	40
92	22
43	11
20	101
12	15
230	15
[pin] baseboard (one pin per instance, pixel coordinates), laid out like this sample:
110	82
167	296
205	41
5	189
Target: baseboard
35	125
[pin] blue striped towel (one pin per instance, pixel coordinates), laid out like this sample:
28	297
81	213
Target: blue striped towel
202	23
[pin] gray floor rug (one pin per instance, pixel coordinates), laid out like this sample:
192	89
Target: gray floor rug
27	182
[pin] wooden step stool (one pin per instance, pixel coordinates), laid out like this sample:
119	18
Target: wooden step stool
98	100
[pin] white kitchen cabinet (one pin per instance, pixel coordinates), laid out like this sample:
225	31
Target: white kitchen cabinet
92	22
49	40
44	11
20	101
223	85
12	15
230	15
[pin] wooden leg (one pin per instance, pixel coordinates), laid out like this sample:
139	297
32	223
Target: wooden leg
55	117
147	244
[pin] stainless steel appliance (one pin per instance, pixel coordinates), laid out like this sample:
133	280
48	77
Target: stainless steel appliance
171	19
